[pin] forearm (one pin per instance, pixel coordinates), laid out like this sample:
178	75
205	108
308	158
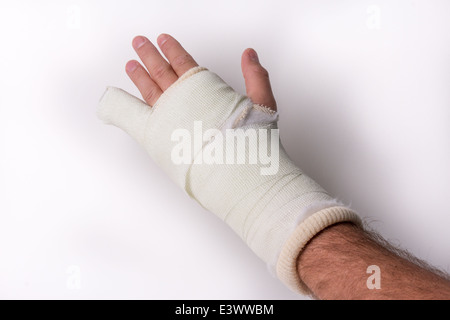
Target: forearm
334	266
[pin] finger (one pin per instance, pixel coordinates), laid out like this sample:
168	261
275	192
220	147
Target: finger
180	60
149	90
159	69
257	81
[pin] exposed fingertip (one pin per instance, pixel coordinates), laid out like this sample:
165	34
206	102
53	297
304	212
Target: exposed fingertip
162	38
253	55
131	66
139	41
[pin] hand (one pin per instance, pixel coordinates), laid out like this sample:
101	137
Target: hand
159	74
288	220
276	213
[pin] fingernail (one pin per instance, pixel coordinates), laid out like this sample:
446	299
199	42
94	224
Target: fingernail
253	55
139	42
131	66
162	39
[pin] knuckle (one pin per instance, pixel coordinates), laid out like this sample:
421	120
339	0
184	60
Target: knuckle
150	94
181	60
261	71
159	72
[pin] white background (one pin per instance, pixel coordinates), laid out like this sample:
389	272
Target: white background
363	94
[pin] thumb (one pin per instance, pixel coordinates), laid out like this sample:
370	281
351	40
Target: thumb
119	108
257	81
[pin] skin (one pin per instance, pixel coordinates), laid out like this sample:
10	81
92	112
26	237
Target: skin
334	263
334	266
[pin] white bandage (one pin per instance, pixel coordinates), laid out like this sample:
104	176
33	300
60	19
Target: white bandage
274	207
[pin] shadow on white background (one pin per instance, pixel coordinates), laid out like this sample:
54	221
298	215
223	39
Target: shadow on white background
363	93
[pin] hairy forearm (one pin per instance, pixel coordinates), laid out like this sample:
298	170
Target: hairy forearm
334	265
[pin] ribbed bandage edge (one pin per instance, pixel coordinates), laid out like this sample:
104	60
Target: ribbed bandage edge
287	269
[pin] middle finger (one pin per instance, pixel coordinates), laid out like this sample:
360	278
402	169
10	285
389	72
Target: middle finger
159	69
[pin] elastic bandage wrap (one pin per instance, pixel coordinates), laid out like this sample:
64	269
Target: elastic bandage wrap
274	207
